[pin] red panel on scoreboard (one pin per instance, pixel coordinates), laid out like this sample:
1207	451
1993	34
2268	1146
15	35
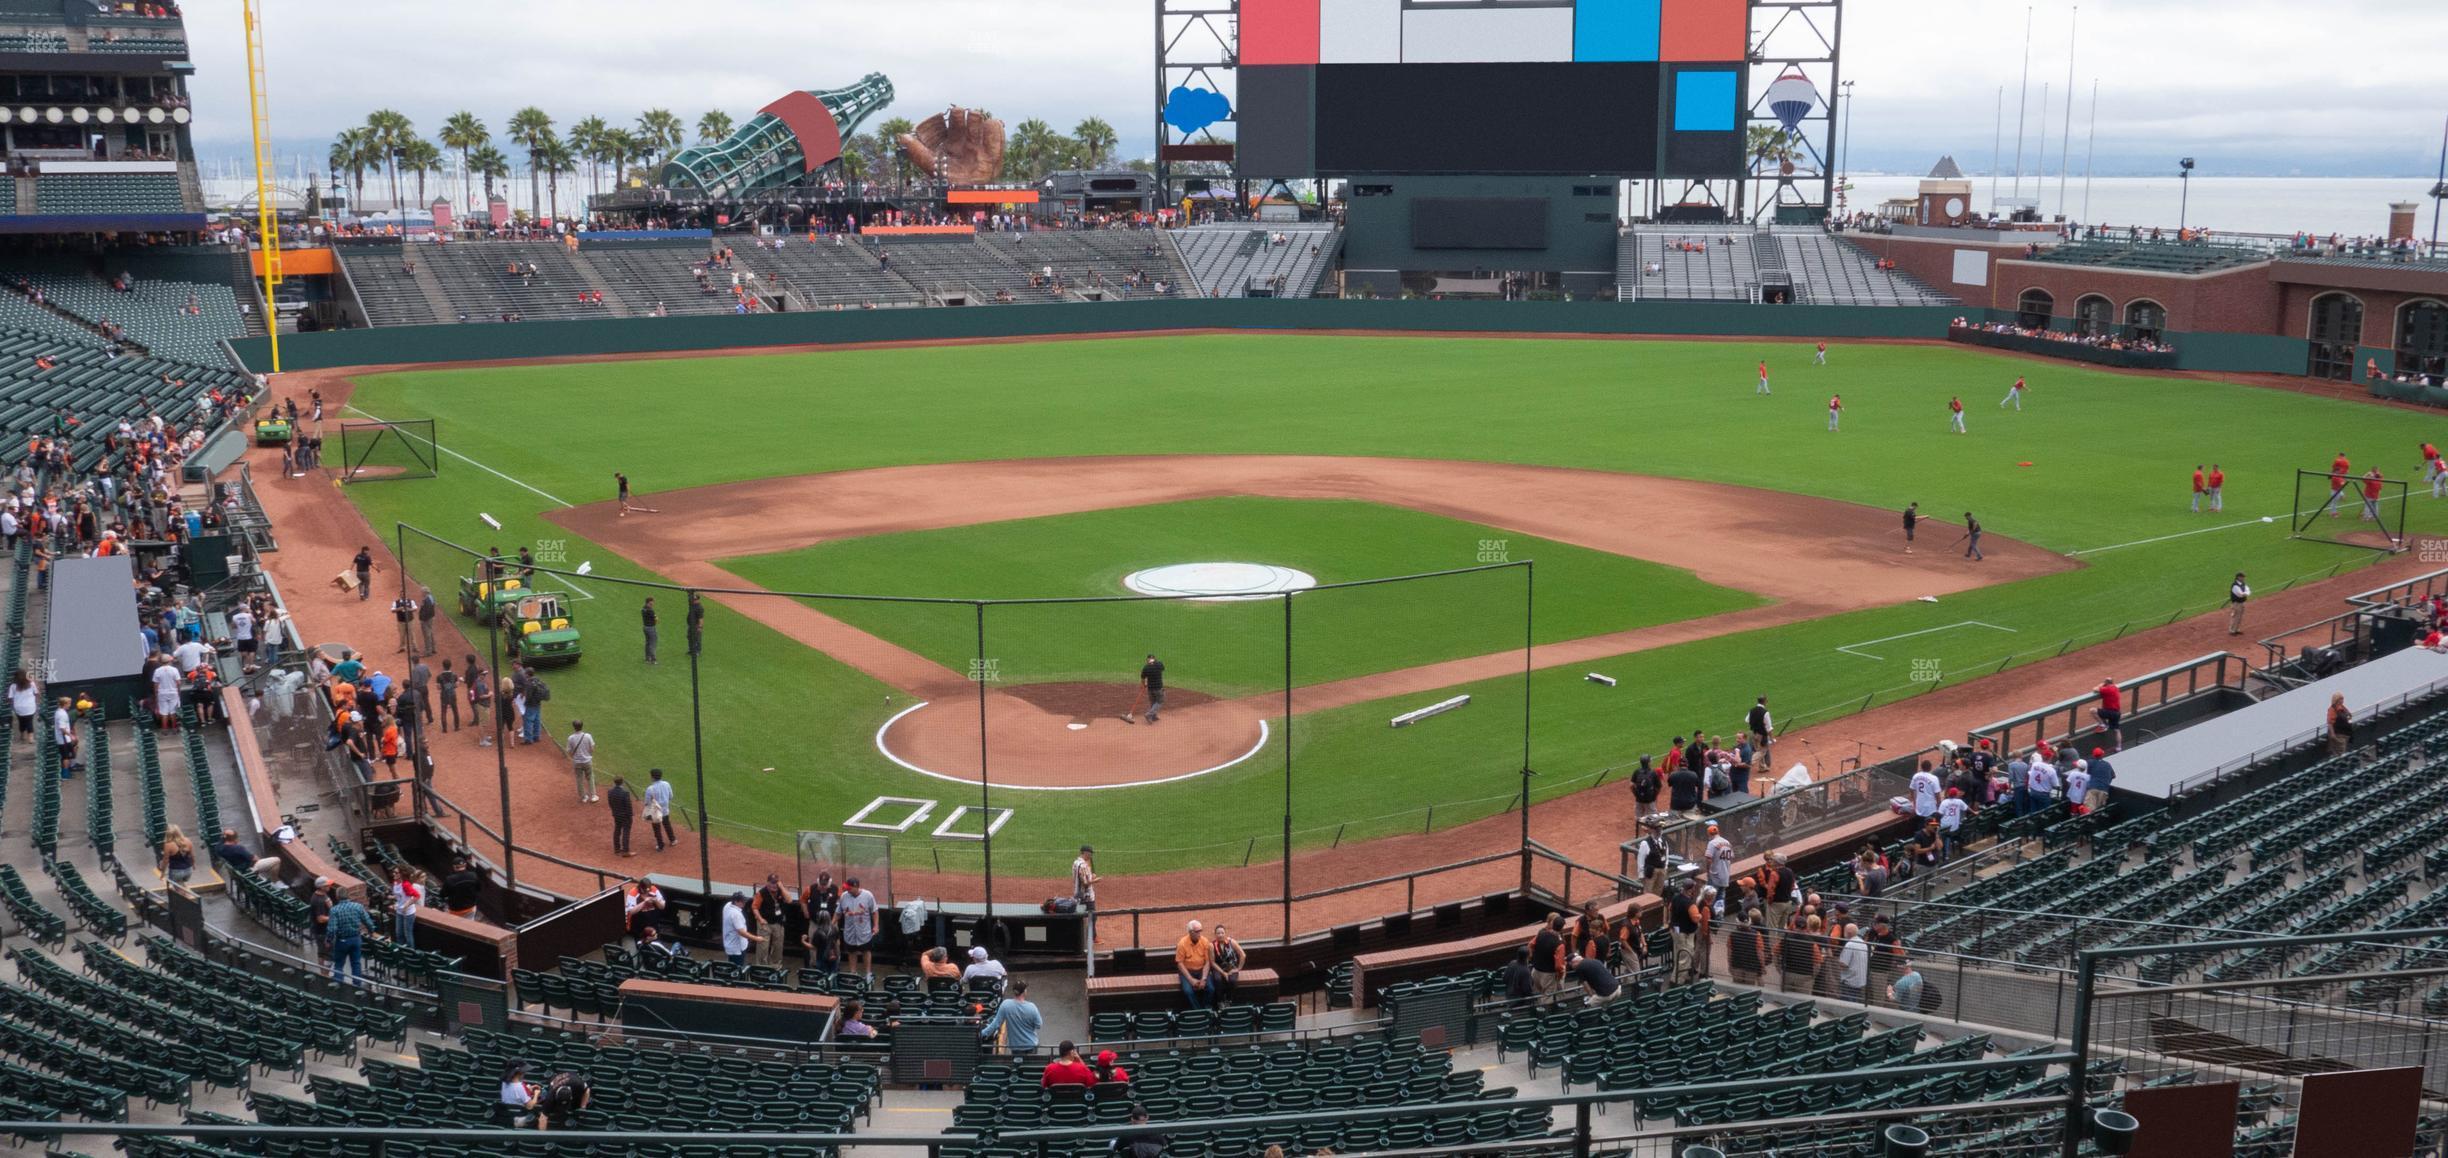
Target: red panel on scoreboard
1701	30
1279	31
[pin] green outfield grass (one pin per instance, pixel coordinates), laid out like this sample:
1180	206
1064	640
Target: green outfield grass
1227	648
2110	456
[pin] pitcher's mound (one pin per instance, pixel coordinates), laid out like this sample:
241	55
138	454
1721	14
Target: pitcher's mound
1072	735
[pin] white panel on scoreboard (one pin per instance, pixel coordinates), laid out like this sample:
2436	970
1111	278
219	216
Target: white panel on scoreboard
1360	31
1502	34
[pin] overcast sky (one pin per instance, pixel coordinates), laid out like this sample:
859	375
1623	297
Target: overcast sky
2247	86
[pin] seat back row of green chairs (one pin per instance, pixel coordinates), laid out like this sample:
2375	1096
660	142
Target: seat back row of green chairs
130	1042
242	1039
39	923
1164	1025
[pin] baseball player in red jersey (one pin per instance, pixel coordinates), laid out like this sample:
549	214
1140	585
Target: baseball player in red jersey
2339	470
2014	394
2201	486
1763	382
1821	360
2372	485
2435	470
1835	410
2218	488
1955	415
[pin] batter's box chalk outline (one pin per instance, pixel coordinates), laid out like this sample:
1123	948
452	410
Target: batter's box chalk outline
944	831
920	808
1855	648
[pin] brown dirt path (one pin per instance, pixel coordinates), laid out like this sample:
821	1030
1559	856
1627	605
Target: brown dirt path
319	529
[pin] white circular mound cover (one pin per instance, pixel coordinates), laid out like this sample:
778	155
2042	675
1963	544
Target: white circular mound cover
1218	582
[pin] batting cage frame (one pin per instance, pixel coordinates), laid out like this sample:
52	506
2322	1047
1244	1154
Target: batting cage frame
994	731
378	451
2319	499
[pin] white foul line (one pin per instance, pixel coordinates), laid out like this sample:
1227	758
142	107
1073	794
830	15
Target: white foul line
556	501
2200	531
887	753
575	588
1848	649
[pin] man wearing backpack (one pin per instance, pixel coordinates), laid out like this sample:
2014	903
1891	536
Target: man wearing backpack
531	729
1647	785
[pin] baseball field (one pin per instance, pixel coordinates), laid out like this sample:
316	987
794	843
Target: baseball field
1631	508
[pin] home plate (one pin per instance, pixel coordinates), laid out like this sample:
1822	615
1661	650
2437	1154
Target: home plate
1076	727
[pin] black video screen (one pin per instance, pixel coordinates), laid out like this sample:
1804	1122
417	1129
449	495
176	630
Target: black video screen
1488	118
1479	223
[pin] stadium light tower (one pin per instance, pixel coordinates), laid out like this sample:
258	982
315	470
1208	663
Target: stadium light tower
267	212
2184	201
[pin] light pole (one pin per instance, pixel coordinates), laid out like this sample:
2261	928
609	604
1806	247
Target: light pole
1844	162
2184	201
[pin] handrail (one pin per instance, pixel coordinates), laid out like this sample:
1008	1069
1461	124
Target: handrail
1580	1103
2002	732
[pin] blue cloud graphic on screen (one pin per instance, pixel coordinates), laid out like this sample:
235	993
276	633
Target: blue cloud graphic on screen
1191	109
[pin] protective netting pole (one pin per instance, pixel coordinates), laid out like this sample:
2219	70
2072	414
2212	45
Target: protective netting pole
1287	751
705	822
977	675
1529	627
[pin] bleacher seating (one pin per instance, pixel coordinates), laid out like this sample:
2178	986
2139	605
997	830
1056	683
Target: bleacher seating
1695	265
1828	270
103	193
645	274
2153	256
1226	259
98	389
830	271
153	312
391	295
956	266
133	45
1096	259
476	278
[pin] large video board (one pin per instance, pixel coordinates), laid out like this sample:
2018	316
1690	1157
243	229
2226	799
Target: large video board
1633	88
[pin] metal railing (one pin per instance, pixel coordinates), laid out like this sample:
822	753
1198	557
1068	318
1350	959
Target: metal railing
2065	719
2403	594
1580	1134
2187	792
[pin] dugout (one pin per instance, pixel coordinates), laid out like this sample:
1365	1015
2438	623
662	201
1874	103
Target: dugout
97	644
1557	233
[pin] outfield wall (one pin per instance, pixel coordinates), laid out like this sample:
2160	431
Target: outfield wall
580	338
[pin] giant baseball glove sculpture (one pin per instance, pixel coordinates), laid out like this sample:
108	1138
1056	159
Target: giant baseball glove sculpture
957	145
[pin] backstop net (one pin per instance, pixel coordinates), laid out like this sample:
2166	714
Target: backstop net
372	451
962	750
2351	509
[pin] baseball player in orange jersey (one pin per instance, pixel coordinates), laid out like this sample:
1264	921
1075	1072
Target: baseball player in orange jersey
2372	485
2435	470
1955	415
1821	359
2218	488
1763	381
2339	469
2014	394
2201	486
1835	410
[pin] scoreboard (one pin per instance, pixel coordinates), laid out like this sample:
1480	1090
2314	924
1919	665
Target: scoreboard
1627	88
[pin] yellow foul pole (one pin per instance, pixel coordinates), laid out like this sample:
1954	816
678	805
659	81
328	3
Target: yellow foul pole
267	213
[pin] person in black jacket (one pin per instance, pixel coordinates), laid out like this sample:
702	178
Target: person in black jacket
1547	953
1683	789
1519	981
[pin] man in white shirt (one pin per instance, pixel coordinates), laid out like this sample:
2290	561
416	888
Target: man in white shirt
1951	814
1854	965
581	749
191	654
2043	782
735	935
981	965
63	733
1719	854
2078	783
166	684
1925	790
858	928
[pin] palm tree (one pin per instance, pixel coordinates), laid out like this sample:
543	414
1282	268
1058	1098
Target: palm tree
1096	140
857	157
889	135
587	139
349	152
622	146
555	157
530	128
1034	146
713	126
464	133
489	163
388	130
658	133
422	158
